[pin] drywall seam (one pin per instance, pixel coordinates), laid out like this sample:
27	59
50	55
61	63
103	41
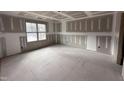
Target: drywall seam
86	33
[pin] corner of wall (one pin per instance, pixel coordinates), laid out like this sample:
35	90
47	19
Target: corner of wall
115	30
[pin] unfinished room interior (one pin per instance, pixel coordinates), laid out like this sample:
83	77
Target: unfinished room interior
61	45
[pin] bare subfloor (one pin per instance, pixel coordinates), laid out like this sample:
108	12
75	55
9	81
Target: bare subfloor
60	63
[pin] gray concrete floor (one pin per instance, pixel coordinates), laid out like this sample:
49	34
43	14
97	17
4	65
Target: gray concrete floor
60	63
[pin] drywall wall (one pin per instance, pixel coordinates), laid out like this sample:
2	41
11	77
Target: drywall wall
57	27
123	70
115	36
103	44
120	41
63	26
12	28
1	54
1	34
72	40
91	43
13	43
73	33
2	47
96	24
50	25
75	39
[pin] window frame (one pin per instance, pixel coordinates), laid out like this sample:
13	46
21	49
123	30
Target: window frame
37	32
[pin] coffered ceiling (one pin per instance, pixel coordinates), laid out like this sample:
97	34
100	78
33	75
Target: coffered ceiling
56	15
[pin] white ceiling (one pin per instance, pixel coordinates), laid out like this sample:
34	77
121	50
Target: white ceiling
56	15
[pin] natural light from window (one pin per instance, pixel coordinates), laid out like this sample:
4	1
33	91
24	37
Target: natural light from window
35	31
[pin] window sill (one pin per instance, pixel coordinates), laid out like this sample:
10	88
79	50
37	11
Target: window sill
37	41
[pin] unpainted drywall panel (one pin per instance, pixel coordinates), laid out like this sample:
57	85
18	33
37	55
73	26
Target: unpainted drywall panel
63	26
13	43
104	44
0	48
123	71
50	24
72	40
91	43
96	24
1	34
1	52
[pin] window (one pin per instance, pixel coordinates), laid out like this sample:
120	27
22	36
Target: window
42	31
31	30
35	31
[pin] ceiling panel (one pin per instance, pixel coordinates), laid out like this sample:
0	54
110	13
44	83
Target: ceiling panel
100	12
56	15
24	14
75	14
51	14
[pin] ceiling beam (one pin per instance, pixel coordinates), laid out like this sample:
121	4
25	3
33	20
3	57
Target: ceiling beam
63	14
42	16
88	13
